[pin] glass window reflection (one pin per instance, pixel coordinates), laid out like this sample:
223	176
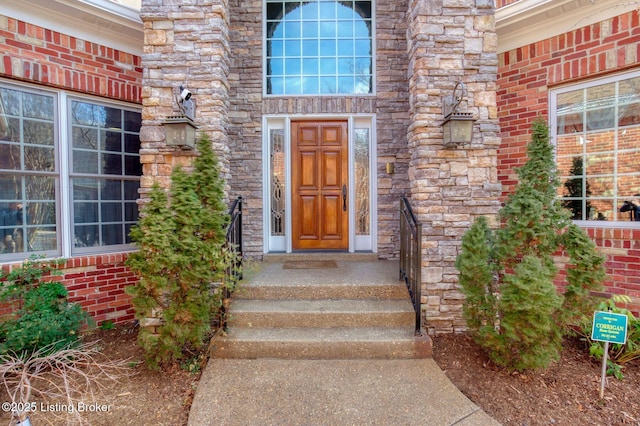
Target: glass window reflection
304	40
597	151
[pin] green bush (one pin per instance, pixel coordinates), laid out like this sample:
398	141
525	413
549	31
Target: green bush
181	237
512	307
44	317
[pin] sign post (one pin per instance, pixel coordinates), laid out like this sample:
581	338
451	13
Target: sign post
608	328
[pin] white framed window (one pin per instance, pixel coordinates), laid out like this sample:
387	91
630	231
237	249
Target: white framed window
318	47
596	128
69	173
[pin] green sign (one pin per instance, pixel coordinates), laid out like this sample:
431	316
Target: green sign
609	327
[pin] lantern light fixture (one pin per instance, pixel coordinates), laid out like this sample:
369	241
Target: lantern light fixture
457	126
180	130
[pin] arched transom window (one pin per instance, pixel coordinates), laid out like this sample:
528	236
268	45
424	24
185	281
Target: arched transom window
318	47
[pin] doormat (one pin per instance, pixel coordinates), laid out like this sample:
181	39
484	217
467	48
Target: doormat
309	264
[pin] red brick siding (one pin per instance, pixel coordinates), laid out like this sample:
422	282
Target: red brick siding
503	3
524	77
43	56
39	55
98	283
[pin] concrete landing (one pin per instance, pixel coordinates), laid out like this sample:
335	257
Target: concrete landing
266	392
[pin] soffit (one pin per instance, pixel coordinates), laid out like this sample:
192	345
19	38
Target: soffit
99	21
528	21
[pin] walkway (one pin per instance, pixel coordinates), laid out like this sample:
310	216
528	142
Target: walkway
278	390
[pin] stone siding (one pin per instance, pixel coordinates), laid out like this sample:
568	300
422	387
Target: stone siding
450	42
248	105
184	45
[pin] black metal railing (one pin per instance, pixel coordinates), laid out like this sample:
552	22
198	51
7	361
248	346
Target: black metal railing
411	256
233	271
234	241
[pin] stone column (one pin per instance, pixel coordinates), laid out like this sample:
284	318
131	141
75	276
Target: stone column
450	41
185	43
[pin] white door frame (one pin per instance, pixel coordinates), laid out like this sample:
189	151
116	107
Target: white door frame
282	243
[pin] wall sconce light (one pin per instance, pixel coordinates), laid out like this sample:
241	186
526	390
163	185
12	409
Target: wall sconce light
180	130
390	168
457	125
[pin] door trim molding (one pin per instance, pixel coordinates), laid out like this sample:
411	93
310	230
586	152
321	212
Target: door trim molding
283	244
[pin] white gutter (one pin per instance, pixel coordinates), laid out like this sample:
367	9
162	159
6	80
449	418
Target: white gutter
528	21
103	22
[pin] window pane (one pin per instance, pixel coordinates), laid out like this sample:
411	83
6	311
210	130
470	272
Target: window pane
86	236
39	159
85	162
597	148
131	212
111	164
10	156
112	234
111	190
86	212
276	142
111	212
38	132
37	106
112	141
84	137
9	128
629	138
99	204
132	121
361	148
315	35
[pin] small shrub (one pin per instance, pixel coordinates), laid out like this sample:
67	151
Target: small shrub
181	237
44	318
512	307
107	325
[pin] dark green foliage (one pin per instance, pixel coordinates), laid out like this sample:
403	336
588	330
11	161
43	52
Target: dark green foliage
573	187
44	317
512	305
476	275
528	301
180	240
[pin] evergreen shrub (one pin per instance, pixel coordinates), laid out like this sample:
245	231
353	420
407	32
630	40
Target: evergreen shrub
181	238
44	319
513	308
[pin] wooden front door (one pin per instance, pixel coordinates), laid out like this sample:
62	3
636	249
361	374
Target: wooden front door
320	209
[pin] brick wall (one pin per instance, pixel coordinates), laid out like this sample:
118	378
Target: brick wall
42	56
503	3
97	283
524	78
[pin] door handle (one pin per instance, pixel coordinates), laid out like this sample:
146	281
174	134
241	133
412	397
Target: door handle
344	198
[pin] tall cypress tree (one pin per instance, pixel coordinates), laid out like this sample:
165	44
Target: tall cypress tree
180	240
514	309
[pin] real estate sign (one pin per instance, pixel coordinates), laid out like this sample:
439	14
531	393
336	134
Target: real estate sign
609	327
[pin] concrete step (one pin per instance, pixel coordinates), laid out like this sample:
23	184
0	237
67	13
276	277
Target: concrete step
321	313
321	307
318	256
299	290
349	280
323	343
